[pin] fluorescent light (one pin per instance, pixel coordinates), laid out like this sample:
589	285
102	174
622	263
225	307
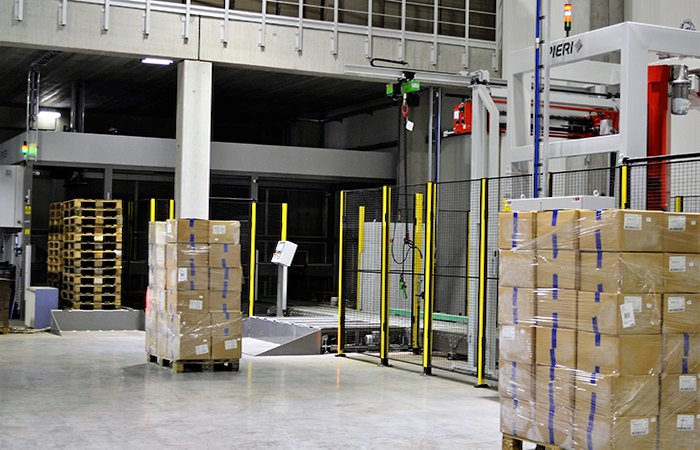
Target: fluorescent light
49	114
158	61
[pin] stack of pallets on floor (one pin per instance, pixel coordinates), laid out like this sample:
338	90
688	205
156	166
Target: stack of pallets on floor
55	258
193	312
92	254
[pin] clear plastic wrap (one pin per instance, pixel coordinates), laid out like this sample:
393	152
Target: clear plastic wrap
224	232
187	231
224	255
187	255
599	316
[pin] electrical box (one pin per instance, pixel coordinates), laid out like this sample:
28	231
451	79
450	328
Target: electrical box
11	204
284	253
463	118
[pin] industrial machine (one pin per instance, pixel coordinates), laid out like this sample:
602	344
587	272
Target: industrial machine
282	257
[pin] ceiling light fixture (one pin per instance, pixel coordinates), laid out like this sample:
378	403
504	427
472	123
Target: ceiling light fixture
157	61
49	114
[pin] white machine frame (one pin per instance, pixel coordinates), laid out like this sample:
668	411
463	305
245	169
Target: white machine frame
570	61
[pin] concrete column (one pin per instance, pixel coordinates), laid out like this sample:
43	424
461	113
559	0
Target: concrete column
193	135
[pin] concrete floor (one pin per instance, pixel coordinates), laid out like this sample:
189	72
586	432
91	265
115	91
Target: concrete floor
95	390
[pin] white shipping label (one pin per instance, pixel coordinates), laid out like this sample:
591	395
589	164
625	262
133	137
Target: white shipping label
633	221
693	223
409	125
218	229
676	223
182	274
687	383
685	422
648	305
202	349
196	304
648	219
627	315
231	345
676	304
169	228
639	427
676	263
636	303
508	333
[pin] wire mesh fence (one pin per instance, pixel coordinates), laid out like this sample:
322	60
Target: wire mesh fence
665	185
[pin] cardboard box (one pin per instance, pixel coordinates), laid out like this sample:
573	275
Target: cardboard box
615	395
554	386
555	347
556	308
518	419
157	277
608	433
190	336
224	232
681	353
226	335
187	278
156	254
557	269
681	313
679	431
612	230
681	272
188	301
516	306
623	273
162	334
156	233
187	255
224	255
516	230
599	312
638	354
681	233
517	343
557	229
187	231
517	268
223	301
679	393
554	425
516	380
225	279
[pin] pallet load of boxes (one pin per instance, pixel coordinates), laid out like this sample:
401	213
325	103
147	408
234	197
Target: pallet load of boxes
85	253
193	312
599	315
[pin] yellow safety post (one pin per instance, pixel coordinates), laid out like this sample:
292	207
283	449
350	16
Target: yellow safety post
679	204
360	250
171	213
153	210
481	349
418	242
384	307
623	187
428	284
341	306
284	222
469	231
251	280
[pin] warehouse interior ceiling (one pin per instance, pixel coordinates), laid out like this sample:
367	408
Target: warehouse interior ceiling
242	97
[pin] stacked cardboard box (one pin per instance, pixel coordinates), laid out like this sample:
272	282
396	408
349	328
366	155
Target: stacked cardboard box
608	371
195	282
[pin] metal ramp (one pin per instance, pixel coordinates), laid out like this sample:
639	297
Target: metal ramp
278	336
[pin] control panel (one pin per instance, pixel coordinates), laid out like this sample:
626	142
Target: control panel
284	253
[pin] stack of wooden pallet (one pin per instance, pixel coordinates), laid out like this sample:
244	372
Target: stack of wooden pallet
55	259
92	254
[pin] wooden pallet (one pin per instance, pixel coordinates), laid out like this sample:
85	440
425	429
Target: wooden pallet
90	306
92	229
93	288
70	264
92	204
93	271
93	246
56	237
91	212
92	254
4	330
92	237
93	221
516	443
207	365
99	280
77	297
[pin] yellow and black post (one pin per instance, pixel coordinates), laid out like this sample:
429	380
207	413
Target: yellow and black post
483	229
283	234
360	250
252	260
428	282
341	304
417	260
152	210
679	204
624	185
171	210
384	307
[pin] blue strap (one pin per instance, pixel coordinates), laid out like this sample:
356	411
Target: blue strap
597	296
555	320
555	251
226	331
597	369
515	305
599	261
599	214
686	344
598	241
192	239
225	288
552	351
554	217
555	294
595	324
191	223
600	287
226	273
555	281
551	422
513	371
685	365
192	266
594	381
223	262
591	421
551	373
224	294
225	248
191	285
515	229
597	340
